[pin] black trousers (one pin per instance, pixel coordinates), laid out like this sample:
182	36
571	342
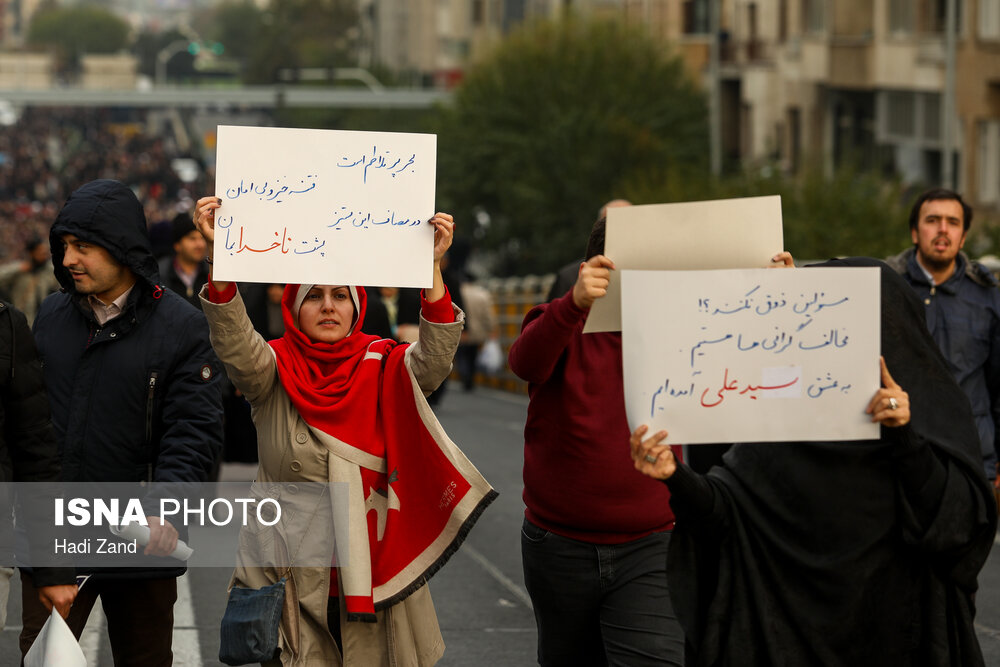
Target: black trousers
140	615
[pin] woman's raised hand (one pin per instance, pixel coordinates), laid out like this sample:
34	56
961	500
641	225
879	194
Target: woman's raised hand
652	458
444	233
204	218
890	406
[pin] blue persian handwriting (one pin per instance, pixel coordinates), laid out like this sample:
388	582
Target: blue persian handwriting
271	190
763	304
833	337
669	392
775	343
695	349
748	389
376	160
346	218
828	383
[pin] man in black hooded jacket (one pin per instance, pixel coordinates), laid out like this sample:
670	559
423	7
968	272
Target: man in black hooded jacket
133	384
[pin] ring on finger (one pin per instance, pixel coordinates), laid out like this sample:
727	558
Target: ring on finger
893	403
650	458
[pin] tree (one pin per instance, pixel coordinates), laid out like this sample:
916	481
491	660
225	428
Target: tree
849	212
148	46
559	119
238	25
74	31
301	33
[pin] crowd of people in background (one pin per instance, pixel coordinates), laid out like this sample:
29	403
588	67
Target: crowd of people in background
49	152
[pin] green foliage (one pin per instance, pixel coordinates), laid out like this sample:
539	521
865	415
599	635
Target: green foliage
366	120
148	45
558	120
852	212
300	33
238	25
74	31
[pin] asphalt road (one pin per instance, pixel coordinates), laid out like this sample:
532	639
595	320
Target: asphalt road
483	609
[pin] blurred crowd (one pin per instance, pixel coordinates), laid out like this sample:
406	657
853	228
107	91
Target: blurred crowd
50	151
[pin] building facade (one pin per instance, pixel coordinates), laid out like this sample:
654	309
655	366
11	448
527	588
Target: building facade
835	81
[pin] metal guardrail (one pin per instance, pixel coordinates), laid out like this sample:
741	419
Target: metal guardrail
512	299
244	96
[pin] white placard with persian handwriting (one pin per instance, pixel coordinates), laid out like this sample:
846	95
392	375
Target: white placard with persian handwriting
721	234
325	206
753	355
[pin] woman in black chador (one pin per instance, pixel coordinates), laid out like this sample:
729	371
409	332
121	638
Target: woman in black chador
839	553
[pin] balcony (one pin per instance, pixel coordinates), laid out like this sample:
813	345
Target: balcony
851	64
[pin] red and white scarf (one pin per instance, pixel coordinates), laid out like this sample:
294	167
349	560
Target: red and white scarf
414	495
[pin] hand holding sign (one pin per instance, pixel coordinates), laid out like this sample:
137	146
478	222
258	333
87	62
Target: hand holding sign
592	281
444	233
652	457
204	219
890	406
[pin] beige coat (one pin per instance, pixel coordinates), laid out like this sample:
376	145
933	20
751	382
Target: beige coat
406	634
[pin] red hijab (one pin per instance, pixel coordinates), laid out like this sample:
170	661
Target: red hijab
327	382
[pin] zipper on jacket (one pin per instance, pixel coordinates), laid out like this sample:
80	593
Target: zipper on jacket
94	333
149	423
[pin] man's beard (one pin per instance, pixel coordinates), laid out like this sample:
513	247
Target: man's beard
935	263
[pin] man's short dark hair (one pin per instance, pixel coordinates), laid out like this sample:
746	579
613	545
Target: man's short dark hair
595	245
935	195
181	226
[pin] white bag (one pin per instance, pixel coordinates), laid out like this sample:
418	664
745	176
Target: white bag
490	359
55	646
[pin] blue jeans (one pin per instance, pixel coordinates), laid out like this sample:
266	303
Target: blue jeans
601	604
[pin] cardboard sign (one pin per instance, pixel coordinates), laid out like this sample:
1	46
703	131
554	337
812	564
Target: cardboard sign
721	234
755	355
325	206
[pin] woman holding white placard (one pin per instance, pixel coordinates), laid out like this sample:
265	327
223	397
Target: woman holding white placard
839	553
333	404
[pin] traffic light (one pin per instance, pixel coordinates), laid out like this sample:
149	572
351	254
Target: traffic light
194	48
217	48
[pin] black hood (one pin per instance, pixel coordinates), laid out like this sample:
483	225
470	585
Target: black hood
105	213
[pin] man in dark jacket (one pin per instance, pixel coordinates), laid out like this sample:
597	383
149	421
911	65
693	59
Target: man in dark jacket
133	384
962	304
186	271
28	450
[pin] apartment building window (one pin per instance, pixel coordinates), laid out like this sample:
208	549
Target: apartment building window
989	19
911	116
931	116
900	114
813	15
902	18
989	162
935	13
695	16
794	138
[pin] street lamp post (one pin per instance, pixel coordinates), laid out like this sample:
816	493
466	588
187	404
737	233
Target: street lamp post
164	56
948	98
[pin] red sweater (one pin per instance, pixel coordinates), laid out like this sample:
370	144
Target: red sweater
579	480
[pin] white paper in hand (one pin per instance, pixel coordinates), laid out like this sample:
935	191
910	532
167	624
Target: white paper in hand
55	646
140	533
